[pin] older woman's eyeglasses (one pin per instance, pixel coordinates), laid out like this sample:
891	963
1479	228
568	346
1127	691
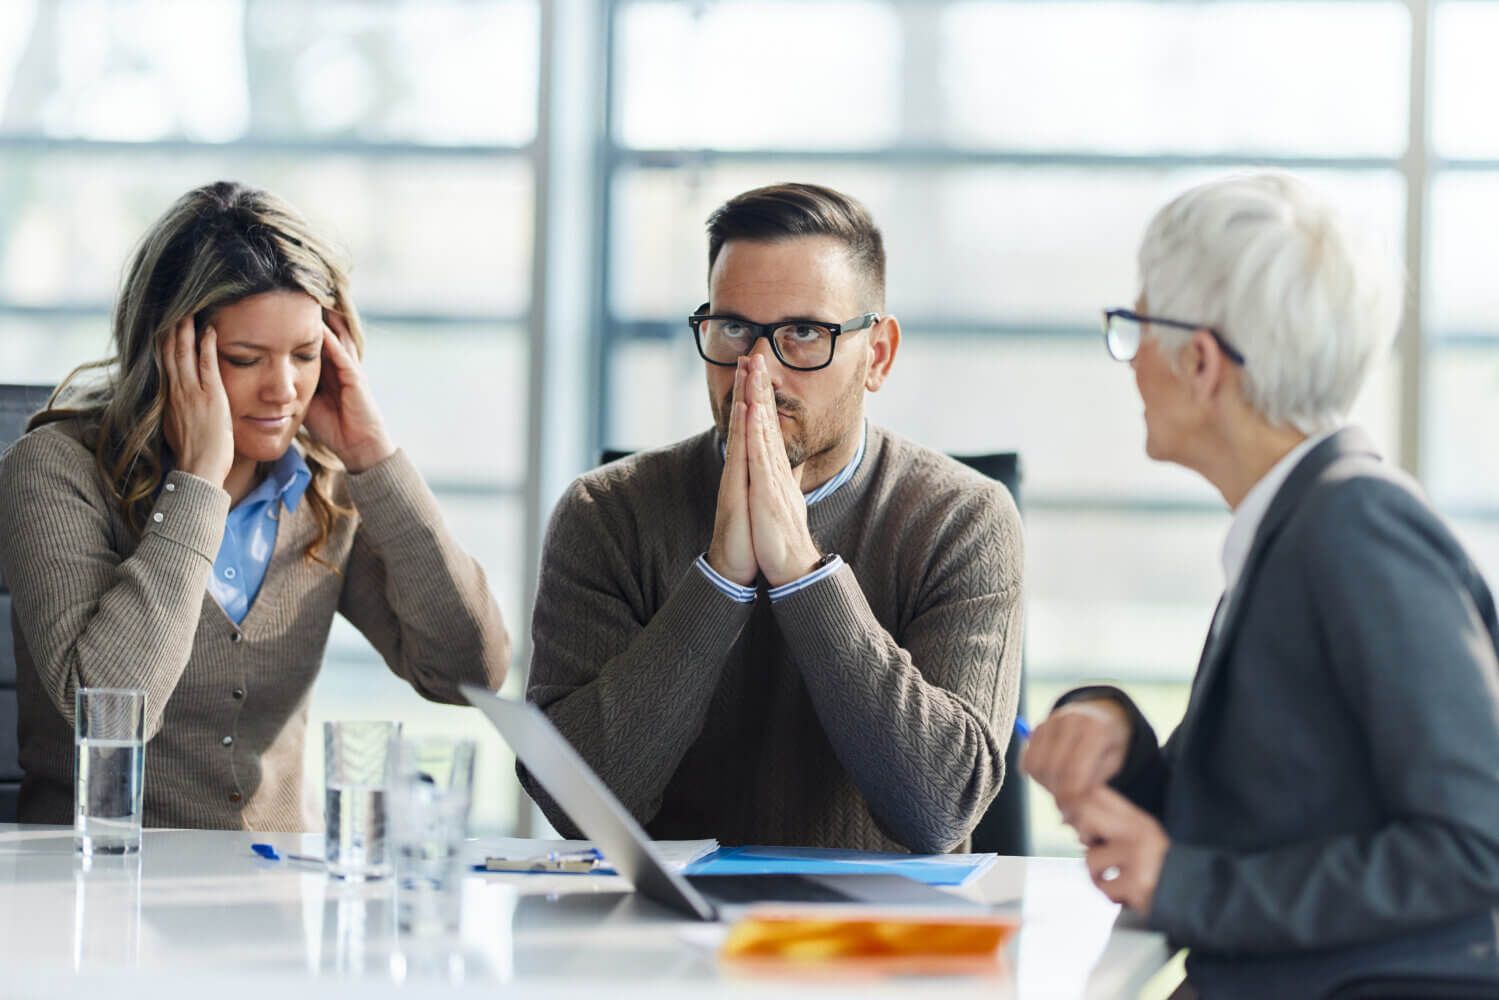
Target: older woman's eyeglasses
1122	329
800	344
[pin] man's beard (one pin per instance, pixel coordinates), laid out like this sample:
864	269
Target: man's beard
796	447
807	440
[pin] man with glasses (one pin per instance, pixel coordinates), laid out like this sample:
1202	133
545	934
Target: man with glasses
795	628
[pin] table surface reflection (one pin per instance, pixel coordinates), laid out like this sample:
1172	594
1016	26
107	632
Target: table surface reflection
197	910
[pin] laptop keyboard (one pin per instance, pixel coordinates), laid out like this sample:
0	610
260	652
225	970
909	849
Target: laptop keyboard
765	888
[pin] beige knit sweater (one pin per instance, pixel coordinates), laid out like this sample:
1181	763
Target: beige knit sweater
226	704
870	710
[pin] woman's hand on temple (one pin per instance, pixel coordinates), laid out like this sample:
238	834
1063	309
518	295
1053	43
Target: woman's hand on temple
342	414
198	426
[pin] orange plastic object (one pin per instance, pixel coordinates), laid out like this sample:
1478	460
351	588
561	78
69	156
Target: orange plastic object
801	936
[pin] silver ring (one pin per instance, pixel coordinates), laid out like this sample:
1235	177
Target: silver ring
1110	873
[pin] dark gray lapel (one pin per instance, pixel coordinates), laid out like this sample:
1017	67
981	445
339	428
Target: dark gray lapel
1349	441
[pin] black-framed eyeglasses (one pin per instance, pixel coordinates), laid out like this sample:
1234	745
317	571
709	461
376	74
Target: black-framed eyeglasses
805	345
1121	334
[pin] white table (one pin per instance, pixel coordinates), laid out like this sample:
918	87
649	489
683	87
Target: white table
200	916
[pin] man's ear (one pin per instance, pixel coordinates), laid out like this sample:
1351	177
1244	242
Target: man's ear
884	342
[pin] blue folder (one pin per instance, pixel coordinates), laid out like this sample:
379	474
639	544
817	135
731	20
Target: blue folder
933	869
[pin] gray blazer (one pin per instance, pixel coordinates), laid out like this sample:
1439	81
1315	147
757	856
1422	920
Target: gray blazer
1332	792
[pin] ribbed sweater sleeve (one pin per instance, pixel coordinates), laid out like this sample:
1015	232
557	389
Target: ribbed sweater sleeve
629	691
415	594
922	724
91	618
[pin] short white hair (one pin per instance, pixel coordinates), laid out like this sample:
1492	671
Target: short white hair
1263	259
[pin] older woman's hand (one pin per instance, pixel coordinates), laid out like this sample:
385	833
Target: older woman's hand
1126	846
1078	748
197	424
342	414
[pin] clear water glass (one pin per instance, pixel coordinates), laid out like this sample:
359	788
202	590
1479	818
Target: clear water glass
432	787
357	757
109	769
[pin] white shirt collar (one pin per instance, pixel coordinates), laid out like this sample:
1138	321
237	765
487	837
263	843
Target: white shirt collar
1251	511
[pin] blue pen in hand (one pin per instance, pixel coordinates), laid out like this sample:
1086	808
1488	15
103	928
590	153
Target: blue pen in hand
1022	728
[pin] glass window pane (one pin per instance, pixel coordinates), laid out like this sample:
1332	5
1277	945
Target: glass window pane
454	397
1120	593
1072	413
1465	77
440	235
42	350
1019	244
658	393
420	71
1463	245
1462	471
1324	78
738	74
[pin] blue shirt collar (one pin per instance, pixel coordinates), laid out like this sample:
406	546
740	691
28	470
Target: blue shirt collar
286	479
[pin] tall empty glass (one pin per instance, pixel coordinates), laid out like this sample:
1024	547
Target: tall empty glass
357	759
431	788
109	769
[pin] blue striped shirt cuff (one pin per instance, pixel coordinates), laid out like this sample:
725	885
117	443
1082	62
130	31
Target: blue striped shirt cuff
730	589
787	589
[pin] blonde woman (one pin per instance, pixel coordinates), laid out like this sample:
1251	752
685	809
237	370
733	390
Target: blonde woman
189	523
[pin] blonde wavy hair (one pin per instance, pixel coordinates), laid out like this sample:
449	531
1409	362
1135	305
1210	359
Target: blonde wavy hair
215	246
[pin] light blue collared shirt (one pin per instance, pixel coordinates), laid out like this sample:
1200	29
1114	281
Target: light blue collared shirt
250	535
746	595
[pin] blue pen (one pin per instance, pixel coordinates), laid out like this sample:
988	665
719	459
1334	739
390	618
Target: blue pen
268	852
1022	729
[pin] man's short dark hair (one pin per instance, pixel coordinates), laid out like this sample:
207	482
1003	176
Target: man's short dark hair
788	211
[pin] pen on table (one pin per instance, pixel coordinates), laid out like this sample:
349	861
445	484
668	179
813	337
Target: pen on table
586	861
270	854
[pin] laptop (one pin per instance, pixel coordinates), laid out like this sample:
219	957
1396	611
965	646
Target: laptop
569	780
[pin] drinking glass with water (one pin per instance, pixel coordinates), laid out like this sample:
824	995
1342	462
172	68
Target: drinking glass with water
357	760
109	769
431	789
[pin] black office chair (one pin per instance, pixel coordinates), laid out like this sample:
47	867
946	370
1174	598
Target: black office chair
1005	827
17	404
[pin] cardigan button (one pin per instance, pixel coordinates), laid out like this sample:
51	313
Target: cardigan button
235	796
236	637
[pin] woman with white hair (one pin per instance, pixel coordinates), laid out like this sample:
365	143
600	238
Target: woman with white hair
1328	808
